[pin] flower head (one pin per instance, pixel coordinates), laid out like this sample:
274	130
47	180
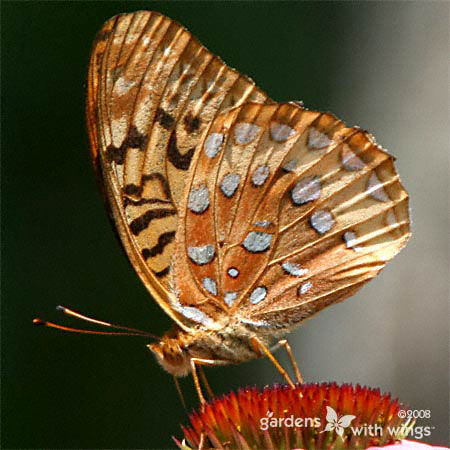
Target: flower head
306	416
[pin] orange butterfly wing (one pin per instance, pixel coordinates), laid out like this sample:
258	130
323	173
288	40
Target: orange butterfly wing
286	212
153	91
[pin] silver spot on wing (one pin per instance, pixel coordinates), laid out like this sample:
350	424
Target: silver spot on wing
257	241
229	184
304	288
281	132
375	189
230	297
260	175
294	269
349	239
244	132
306	190
349	159
213	143
322	221
210	285
202	254
198	201
317	139
258	295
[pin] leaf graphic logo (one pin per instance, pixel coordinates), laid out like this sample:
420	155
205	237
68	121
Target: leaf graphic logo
337	423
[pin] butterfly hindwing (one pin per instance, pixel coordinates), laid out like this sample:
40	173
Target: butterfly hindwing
343	215
286	211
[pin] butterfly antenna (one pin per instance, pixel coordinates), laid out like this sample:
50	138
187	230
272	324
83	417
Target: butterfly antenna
45	323
180	393
69	312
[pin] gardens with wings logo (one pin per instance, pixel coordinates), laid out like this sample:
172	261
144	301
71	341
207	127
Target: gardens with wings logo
336	423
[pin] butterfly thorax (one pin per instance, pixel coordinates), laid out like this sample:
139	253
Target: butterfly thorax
175	350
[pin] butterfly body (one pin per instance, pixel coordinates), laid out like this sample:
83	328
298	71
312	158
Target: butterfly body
232	345
242	217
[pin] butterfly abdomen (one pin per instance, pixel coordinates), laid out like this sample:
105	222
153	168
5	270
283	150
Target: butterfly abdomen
233	345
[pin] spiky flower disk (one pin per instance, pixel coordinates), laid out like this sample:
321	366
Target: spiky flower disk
282	417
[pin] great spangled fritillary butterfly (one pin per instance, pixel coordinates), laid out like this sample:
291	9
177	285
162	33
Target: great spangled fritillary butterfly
243	217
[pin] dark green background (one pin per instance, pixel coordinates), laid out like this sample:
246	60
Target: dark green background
71	391
74	391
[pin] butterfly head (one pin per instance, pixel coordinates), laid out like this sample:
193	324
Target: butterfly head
172	353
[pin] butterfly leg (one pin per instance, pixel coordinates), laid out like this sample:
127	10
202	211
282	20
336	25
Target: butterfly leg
180	393
294	364
202	362
261	346
205	382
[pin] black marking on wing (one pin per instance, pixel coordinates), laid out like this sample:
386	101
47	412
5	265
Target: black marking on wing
165	119
191	123
116	154
180	161
141	223
132	189
163	273
134	139
163	240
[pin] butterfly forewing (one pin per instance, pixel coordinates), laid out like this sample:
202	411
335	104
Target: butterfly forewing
153	91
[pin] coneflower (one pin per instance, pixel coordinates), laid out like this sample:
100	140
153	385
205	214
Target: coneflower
307	416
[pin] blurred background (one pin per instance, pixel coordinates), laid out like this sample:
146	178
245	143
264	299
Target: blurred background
380	65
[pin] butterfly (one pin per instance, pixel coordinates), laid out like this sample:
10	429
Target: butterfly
242	216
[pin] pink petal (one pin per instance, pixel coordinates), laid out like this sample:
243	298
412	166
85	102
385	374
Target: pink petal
408	445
